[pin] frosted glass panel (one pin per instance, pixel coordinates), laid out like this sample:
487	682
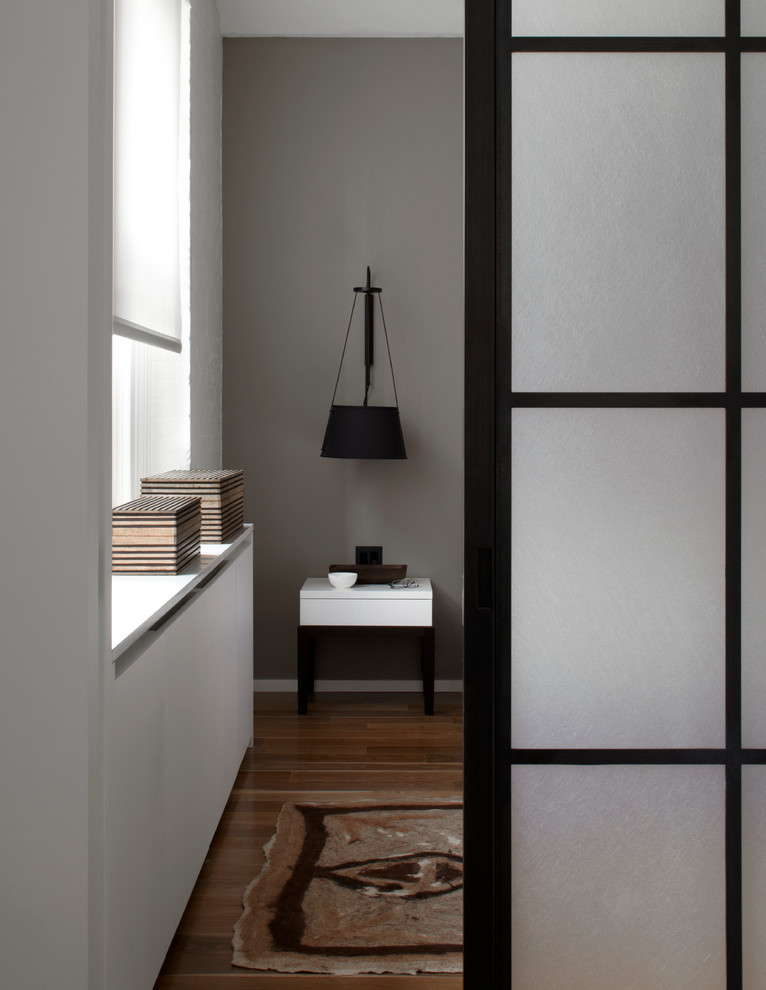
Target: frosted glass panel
618	222
753	223
753	17
753	877
618	17
618	878
754	578
618	577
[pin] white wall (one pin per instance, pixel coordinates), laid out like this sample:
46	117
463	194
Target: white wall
55	269
55	328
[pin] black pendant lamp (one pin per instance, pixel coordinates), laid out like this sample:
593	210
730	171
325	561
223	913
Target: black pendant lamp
365	431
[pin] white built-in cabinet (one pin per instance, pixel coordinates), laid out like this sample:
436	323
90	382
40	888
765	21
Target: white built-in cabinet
180	722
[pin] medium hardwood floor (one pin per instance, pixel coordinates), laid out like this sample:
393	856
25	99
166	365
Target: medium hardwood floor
349	746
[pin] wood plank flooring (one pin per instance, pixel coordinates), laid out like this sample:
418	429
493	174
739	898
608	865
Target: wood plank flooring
349	747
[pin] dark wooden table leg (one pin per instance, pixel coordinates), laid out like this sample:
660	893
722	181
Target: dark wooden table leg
304	669
427	660
312	662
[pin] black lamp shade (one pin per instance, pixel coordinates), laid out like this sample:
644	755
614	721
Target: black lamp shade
364	432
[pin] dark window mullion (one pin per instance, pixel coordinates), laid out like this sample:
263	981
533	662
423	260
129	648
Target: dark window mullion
734	972
618	757
638	400
753	756
618	44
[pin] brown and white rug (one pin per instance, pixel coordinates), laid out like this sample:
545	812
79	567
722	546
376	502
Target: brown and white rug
368	887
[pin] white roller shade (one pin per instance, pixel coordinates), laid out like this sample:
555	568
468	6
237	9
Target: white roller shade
147	283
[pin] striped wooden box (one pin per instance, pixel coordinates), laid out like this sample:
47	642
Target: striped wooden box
221	493
155	534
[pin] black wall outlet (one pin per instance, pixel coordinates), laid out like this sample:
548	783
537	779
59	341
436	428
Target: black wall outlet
369	555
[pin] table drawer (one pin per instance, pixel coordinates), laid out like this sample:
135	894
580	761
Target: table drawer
365	612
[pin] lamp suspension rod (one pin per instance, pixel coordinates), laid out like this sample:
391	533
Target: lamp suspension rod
369	308
368	335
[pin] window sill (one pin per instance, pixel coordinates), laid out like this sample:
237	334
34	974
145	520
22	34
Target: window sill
140	601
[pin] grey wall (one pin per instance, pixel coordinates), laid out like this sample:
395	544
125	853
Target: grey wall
206	279
337	154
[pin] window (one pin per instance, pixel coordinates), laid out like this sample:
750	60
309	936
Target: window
150	391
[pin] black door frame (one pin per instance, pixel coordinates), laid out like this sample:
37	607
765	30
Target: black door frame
486	895
488	403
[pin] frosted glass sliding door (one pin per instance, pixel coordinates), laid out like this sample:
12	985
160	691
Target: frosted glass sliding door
754	220
618	17
618	578
753	18
615	592
754	578
754	875
633	483
618	185
618	878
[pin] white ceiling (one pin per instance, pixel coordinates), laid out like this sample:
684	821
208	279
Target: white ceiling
342	18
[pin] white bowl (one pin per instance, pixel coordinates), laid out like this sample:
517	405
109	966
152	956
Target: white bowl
342	579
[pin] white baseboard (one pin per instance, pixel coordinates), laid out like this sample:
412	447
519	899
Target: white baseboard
291	684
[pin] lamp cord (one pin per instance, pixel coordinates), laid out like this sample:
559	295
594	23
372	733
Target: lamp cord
343	354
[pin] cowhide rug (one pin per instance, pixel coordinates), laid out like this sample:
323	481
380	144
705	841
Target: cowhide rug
366	887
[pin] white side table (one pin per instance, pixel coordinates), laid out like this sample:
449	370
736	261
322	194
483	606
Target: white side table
364	610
